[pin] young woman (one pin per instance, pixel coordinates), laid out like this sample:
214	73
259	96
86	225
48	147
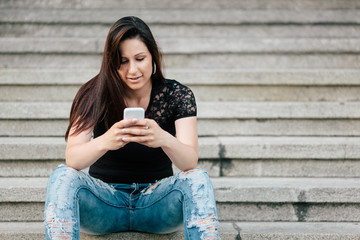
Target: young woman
130	185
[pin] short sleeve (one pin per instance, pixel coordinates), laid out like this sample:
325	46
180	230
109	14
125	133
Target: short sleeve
184	101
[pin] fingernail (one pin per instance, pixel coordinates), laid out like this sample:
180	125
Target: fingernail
124	139
124	130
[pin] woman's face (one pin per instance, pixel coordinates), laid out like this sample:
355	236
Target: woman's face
136	64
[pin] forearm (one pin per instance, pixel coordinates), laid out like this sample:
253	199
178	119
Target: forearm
83	155
184	157
82	151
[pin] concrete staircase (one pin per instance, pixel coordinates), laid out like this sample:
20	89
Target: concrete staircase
277	85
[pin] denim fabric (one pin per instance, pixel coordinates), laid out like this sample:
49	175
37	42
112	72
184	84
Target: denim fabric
76	199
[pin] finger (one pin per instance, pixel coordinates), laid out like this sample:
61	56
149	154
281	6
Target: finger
144	122
127	122
130	138
135	131
137	127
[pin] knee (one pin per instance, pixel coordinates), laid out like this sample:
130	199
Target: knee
195	175
196	178
63	175
197	186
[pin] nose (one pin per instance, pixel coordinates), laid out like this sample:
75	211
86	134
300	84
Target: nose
132	67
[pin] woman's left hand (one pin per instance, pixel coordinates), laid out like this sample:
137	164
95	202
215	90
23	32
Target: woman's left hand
146	132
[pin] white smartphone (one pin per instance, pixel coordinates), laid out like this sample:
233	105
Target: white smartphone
134	112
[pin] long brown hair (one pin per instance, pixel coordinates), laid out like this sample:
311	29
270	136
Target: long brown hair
101	99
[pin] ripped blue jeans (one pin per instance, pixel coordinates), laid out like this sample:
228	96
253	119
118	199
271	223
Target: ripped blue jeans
75	199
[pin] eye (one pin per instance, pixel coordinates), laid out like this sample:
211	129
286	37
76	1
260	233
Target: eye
124	61
140	59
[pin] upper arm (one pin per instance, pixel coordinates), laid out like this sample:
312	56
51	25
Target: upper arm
82	137
186	131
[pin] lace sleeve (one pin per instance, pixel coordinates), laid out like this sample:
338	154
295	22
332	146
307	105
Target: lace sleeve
184	100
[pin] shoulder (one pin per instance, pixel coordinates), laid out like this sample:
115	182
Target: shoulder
171	83
176	89
182	99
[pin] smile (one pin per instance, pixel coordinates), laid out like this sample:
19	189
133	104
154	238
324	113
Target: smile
135	78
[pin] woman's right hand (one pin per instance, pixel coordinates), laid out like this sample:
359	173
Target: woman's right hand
113	138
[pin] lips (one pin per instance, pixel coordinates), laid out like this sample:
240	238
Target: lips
134	79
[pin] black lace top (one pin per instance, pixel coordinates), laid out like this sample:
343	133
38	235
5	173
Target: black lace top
136	163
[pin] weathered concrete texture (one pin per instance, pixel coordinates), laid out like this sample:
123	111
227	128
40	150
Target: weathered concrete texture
271	212
202	92
288	212
26	212
214	167
35	231
274	93
44	167
277	127
28	168
235	230
206	110
290	168
256	61
194	77
35	110
344	148
226	16
207	127
38	93
238	199
187	4
186	45
261	190
193	61
281	190
32	128
209	148
256	212
278	110
195	30
32	148
291	147
301	231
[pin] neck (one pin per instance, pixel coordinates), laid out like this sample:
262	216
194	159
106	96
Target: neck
139	98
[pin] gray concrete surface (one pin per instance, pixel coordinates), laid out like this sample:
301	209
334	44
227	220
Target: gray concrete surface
229	230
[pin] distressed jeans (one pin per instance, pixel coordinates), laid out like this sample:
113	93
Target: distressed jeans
75	199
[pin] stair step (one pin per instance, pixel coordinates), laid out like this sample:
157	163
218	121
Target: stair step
187	45
229	230
345	148
227	190
290	147
191	16
180	30
310	168
52	85
220	156
206	110
224	92
215	118
238	199
193	61
207	85
215	167
168	4
193	77
207	127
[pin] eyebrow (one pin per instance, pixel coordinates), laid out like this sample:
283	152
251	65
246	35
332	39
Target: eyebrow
136	54
139	53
